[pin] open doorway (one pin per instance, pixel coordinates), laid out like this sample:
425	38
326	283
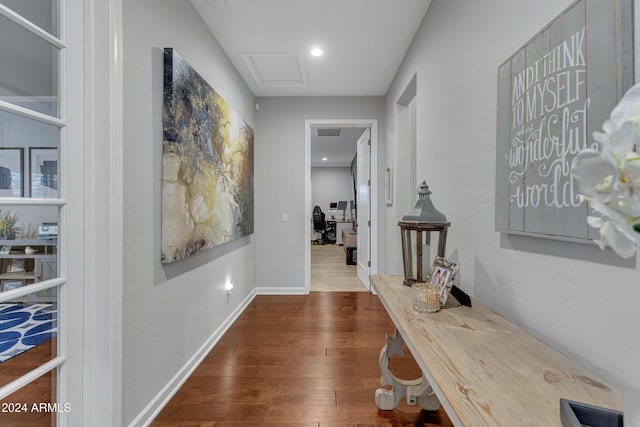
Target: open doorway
335	190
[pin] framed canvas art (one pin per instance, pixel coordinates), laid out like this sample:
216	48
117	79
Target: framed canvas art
207	165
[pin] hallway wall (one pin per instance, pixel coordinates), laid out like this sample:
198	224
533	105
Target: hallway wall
169	311
331	184
575	297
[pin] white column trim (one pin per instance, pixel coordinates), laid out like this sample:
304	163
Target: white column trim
103	197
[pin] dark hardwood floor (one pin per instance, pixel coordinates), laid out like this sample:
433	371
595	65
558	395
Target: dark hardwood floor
17	409
305	361
287	361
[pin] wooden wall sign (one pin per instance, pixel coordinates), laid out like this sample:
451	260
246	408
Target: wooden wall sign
553	94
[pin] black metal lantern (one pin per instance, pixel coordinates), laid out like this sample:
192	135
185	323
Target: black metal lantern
416	229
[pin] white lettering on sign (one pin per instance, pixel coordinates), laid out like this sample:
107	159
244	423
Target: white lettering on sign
549	125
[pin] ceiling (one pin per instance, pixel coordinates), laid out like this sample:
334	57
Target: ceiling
268	42
338	150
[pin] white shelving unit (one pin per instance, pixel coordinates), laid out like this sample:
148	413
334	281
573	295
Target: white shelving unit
17	268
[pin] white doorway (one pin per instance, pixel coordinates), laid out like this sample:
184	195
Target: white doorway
369	264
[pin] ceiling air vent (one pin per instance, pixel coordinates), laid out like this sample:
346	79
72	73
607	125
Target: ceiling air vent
329	131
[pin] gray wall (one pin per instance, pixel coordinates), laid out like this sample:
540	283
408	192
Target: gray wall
575	297
280	179
331	184
169	311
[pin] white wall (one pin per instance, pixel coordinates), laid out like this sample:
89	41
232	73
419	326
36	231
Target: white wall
331	184
280	179
575	297
169	311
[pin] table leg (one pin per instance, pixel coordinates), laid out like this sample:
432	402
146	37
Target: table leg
417	390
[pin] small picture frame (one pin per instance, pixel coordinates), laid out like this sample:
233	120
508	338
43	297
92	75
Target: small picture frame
16	266
9	285
441	276
5	250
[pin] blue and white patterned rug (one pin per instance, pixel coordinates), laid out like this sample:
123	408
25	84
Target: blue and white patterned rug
24	326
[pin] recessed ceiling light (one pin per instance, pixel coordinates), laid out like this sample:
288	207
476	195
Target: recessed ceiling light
324	159
316	52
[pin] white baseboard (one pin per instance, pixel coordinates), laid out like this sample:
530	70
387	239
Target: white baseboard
267	290
154	407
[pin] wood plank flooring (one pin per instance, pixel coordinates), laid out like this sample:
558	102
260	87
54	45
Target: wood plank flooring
297	361
330	272
304	361
37	392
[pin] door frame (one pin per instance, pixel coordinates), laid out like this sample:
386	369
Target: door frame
103	204
373	209
363	185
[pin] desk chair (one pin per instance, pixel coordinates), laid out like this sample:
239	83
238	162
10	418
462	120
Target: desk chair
319	225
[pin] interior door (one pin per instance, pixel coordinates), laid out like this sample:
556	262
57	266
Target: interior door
42	124
364	206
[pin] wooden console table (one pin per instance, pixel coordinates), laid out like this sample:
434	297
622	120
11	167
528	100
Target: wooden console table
484	370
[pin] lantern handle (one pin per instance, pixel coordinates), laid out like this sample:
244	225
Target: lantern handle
423	191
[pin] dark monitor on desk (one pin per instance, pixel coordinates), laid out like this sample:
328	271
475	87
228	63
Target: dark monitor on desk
342	206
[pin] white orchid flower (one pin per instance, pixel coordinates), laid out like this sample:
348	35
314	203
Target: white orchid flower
622	243
628	110
614	230
610	179
595	175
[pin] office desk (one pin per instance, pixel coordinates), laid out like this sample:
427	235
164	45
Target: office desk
484	370
341	225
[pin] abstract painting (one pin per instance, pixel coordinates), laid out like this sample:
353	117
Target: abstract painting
207	165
